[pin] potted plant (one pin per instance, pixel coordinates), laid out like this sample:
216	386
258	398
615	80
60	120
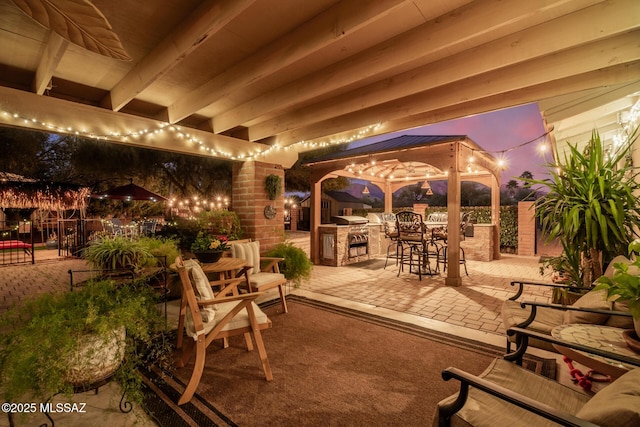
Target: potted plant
296	266
591	205
116	253
566	270
624	285
273	186
55	343
208	248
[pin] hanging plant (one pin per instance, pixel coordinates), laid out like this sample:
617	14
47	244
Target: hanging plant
273	186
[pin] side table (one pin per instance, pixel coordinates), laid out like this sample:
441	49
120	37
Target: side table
600	337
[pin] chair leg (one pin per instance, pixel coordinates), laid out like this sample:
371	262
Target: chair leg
183	354
248	341
266	367
282	298
198	368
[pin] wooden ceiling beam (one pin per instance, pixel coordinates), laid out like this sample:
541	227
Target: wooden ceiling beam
27	110
549	38
469	27
576	104
53	52
329	27
523	83
204	22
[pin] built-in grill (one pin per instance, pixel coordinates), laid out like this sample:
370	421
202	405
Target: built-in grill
358	239
349	220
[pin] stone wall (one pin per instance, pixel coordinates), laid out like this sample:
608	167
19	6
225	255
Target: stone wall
480	246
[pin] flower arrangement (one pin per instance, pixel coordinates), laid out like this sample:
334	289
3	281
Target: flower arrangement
207	242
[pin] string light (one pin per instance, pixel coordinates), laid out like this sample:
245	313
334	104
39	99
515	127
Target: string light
125	136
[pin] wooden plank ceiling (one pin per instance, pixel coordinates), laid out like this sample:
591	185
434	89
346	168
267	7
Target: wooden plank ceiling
267	79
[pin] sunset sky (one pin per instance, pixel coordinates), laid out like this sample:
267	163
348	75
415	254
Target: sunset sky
496	131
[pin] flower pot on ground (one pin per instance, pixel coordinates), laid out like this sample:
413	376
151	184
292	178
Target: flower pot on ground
95	358
53	343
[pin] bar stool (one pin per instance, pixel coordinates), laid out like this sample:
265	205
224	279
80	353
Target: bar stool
442	251
411	235
391	233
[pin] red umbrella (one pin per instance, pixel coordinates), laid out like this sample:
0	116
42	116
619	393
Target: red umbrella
129	192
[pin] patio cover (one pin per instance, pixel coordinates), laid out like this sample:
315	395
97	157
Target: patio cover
245	79
407	160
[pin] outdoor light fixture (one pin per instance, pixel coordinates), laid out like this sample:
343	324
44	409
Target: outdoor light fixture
425	186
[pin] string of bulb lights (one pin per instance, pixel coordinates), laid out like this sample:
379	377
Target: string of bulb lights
126	136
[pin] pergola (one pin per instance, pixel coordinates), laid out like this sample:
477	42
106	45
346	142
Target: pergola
407	160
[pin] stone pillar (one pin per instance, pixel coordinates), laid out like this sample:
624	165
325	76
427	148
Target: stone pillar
295	217
249	200
526	229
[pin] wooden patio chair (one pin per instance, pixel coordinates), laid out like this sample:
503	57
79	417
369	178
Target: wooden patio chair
263	272
206	317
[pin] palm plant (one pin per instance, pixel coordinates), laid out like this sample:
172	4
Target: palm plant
591	206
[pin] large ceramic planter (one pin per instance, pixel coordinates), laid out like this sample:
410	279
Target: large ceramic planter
96	358
208	257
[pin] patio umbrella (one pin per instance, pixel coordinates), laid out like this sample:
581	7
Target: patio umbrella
129	192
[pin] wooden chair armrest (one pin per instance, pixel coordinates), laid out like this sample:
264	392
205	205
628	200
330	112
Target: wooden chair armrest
521	284
522	339
226	286
466	379
272	264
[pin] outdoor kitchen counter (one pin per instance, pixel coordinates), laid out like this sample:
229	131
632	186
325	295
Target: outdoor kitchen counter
345	244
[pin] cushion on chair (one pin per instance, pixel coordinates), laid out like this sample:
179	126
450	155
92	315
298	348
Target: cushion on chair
203	292
241	319
260	279
250	252
616	405
592	299
482	409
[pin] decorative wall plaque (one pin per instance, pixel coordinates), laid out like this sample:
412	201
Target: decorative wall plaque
270	211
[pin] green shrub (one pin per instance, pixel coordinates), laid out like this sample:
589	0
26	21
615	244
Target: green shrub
117	252
296	266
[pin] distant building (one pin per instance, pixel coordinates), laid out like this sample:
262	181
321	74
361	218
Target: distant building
332	203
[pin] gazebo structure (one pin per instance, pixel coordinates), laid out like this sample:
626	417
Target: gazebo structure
406	160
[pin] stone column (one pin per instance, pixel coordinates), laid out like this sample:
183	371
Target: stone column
526	229
249	200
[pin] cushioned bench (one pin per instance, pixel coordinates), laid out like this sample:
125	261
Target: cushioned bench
15	244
